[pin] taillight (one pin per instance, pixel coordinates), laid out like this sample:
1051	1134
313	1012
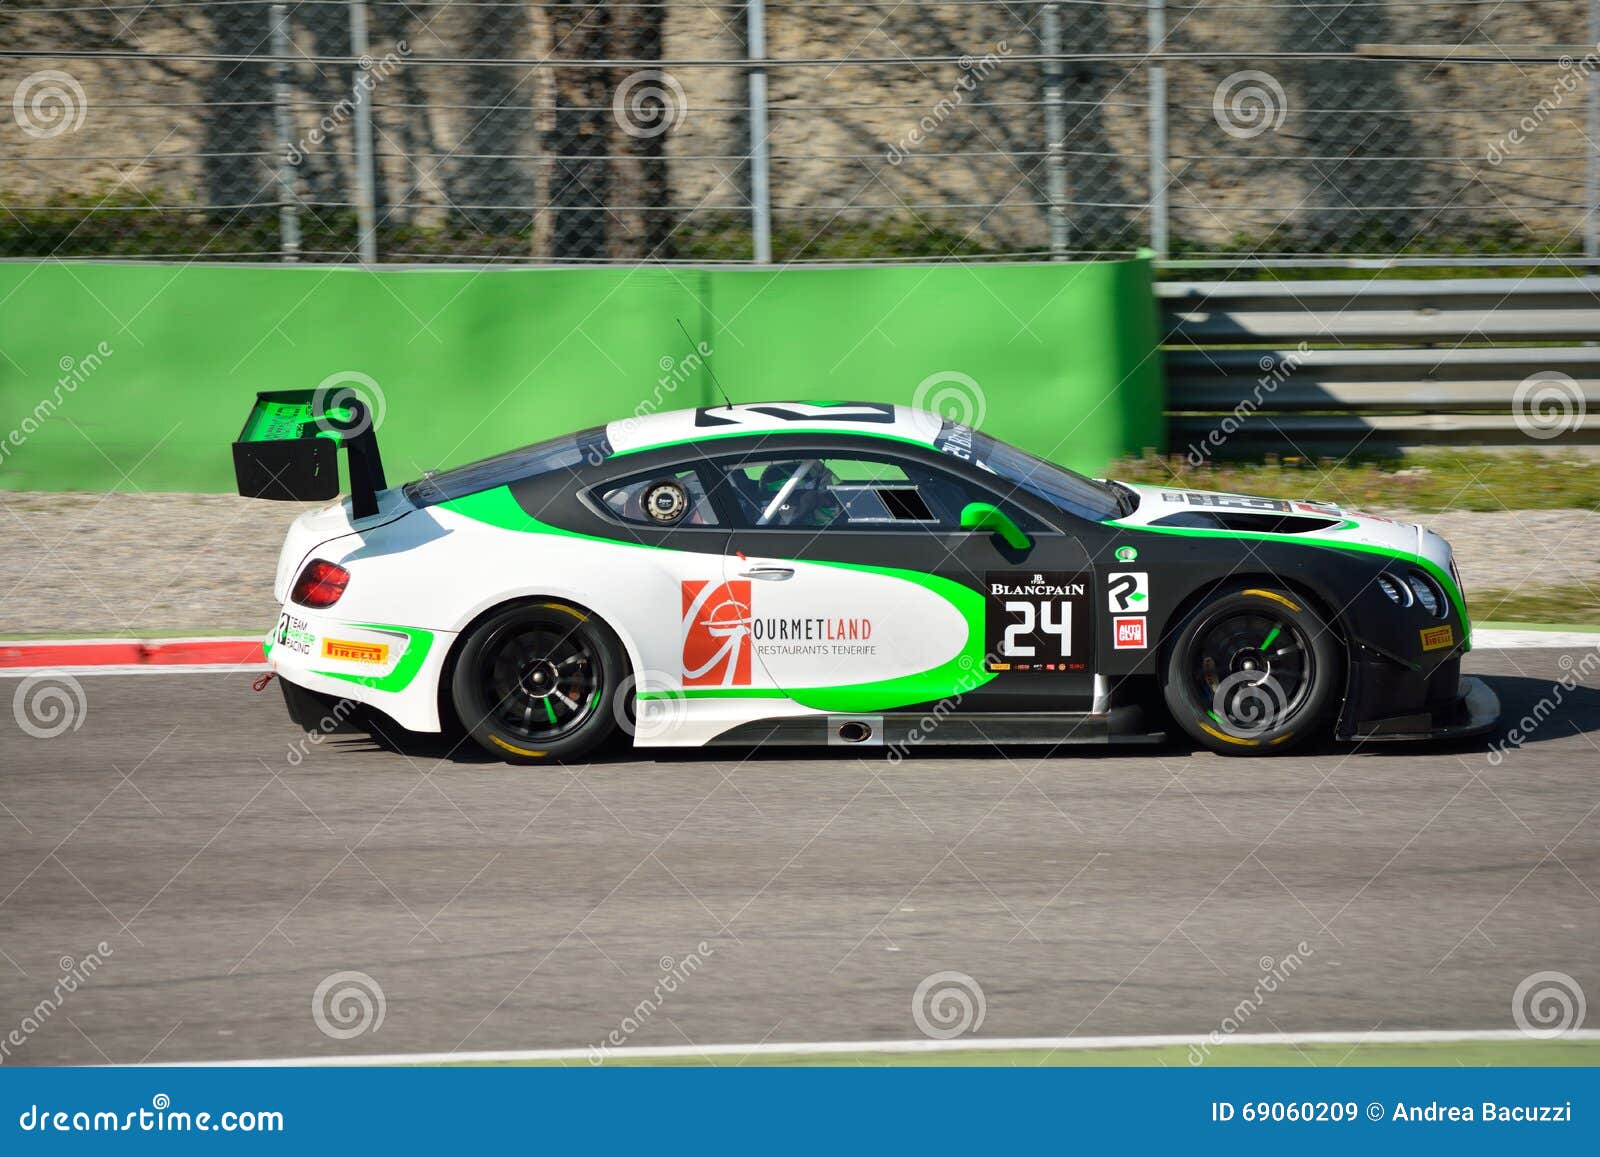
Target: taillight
320	584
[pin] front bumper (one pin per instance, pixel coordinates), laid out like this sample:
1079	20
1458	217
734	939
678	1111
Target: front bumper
1475	709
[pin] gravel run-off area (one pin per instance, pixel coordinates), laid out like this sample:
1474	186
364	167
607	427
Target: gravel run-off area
149	565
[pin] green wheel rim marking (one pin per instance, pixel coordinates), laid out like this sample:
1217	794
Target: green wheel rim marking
549	710
1273	634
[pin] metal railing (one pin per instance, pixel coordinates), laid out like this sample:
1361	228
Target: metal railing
818	130
1330	367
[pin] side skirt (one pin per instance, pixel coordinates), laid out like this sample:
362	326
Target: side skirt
1120	725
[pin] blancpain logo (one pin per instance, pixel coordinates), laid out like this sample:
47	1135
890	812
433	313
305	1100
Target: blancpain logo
1037	588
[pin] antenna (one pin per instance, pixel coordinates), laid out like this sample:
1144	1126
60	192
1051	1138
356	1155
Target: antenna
696	349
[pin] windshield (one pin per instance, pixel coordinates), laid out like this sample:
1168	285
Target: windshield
1072	492
567	452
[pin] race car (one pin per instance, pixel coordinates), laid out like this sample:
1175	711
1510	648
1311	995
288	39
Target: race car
845	574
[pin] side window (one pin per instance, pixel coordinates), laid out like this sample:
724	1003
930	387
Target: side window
663	500
844	494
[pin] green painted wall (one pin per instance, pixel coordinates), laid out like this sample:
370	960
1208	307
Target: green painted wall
140	376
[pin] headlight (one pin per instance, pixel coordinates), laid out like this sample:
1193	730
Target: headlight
1428	593
1395	589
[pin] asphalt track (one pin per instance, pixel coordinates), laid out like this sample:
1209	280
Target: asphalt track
500	908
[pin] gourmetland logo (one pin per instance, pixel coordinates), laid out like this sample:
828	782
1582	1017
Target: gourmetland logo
716	633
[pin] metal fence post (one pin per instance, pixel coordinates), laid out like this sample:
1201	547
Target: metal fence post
760	179
1158	130
1591	228
1055	130
366	210
283	124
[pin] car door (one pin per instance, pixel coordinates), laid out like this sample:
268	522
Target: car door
860	580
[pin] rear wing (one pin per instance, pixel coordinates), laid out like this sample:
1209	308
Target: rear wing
289	449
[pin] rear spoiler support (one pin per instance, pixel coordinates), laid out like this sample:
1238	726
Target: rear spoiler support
289	450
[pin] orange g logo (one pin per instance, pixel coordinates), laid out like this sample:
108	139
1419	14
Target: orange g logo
716	633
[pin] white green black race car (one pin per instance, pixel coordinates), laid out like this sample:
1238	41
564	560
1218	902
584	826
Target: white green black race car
843	574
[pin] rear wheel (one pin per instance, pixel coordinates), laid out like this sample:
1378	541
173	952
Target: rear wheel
1253	671
534	683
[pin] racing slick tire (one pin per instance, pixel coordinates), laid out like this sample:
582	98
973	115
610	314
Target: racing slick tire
1253	670
535	683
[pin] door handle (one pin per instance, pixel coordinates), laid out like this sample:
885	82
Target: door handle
769	573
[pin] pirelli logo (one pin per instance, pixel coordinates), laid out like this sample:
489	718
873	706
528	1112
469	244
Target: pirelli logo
352	652
1438	638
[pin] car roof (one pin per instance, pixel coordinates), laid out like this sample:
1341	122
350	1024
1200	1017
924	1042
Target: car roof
846	419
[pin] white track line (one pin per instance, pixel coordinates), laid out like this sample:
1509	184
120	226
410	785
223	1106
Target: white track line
977	1044
125	640
131	669
1511	639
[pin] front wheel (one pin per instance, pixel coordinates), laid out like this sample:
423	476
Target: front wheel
535	683
1253	671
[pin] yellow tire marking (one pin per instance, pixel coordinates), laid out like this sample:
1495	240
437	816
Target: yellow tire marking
498	742
1275	597
1281	738
579	615
1226	738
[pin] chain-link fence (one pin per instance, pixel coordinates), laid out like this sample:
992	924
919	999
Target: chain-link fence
813	130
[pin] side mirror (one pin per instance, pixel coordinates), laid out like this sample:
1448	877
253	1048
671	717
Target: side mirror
987	516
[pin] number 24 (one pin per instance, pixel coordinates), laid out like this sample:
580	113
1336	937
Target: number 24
1061	628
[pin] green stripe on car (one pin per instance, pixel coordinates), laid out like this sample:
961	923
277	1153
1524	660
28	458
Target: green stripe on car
418	643
1433	570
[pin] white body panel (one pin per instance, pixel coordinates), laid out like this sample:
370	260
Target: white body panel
1156	502
434	571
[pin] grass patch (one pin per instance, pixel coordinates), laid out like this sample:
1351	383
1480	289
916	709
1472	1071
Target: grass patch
1527	1053
1424	481
1568	606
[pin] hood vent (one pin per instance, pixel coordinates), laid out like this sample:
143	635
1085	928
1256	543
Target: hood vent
1243	520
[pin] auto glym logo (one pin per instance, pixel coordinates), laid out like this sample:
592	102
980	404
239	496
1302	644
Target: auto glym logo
716	633
1129	632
